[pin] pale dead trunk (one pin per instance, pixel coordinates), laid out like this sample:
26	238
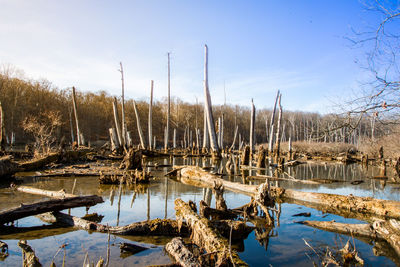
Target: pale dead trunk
252	125
234	138
151	115
169	106
78	132
210	119
123	123
278	131
272	126
139	126
116	121
113	139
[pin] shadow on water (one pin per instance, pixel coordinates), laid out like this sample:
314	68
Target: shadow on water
282	245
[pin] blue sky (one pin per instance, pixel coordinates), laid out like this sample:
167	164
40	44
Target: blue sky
255	47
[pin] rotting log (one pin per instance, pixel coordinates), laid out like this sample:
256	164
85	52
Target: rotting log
46	206
352	206
36	164
156	227
206	236
182	255
132	160
29	257
380	229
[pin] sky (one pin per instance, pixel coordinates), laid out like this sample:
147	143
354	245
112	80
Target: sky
255	48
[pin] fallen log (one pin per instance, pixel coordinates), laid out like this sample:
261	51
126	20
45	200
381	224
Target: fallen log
206	236
36	191
384	230
156	227
131	248
36	164
46	206
182	255
350	205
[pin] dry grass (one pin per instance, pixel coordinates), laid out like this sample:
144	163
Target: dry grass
319	148
390	144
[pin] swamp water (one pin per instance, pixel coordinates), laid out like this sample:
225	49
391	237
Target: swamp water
281	246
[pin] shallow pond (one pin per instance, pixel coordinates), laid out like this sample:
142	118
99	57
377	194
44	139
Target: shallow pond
282	246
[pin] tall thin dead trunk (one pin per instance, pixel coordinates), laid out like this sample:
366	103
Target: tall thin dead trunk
222	131
252	124
2	129
210	119
116	120
205	129
174	140
123	123
272	126
234	138
139	126
169	107
278	130
78	132
151	115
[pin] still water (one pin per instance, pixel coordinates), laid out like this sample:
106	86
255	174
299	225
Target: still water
281	246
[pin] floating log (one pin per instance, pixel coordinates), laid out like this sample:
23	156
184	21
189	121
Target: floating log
29	257
182	255
46	206
338	204
206	236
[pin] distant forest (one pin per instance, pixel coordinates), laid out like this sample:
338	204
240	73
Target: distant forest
21	99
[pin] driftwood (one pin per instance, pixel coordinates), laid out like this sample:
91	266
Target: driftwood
182	255
206	236
36	191
361	207
384	230
29	257
215	214
46	206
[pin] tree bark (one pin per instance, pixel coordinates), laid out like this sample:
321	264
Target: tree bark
205	235
29	257
182	255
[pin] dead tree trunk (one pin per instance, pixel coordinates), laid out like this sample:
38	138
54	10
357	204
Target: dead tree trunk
151	115
139	126
234	138
123	123
205	235
272	127
174	139
261	157
169	107
78	132
205	130
116	122
8	167
36	191
278	131
252	124
114	140
210	119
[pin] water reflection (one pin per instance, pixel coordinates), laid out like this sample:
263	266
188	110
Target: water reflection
279	246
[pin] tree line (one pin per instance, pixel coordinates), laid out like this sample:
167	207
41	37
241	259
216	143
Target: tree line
23	100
